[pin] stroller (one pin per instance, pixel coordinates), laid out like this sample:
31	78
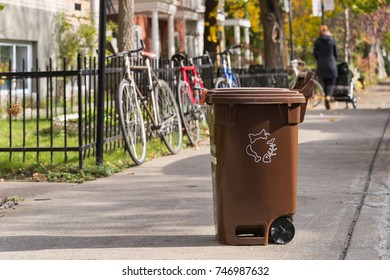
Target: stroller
345	88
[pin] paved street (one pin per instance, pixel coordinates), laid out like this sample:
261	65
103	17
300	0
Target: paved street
164	208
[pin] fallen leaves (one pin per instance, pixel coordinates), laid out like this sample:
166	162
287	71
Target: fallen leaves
39	177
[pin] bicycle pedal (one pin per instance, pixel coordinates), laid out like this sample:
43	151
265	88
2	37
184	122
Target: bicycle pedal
202	109
155	127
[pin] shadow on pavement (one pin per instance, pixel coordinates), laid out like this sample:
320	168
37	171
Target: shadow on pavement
190	167
38	242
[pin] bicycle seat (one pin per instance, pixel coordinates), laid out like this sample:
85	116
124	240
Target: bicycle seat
148	54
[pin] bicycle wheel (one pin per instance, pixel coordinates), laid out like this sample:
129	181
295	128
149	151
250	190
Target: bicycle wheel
220	82
132	122
168	117
188	113
318	95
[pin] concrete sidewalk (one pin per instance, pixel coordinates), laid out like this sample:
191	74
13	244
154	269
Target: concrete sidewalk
164	208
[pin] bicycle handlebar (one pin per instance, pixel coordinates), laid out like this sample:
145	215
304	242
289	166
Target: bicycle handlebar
229	49
205	55
139	49
180	58
235	46
128	52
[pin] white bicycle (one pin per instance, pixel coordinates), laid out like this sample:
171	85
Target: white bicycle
158	104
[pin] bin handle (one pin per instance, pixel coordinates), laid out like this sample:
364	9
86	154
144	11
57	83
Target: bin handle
307	90
305	83
303	78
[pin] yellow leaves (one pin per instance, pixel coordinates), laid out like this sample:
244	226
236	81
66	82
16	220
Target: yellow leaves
245	9
38	177
236	10
214	12
211	23
239	14
254	16
214	31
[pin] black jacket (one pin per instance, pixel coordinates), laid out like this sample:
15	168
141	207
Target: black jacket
325	51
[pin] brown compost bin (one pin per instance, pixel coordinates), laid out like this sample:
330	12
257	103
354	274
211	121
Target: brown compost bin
254	159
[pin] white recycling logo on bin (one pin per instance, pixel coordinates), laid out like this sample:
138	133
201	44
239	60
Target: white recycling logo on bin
262	148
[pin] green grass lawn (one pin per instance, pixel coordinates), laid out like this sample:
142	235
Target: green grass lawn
61	166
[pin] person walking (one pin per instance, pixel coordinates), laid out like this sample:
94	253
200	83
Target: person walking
325	52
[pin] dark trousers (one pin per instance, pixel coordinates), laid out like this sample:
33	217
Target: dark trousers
328	85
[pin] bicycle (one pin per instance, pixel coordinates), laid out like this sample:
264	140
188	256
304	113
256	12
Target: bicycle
159	106
189	90
318	91
227	79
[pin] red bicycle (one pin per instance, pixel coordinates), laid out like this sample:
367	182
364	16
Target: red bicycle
189	90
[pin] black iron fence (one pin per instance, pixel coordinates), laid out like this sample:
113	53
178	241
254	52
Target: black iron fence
54	111
258	76
50	111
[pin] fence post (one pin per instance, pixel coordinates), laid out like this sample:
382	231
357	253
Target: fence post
80	110
101	85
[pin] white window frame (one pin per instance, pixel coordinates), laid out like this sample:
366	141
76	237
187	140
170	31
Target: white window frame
14	60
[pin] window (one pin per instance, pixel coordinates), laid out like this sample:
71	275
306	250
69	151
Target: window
77	7
18	57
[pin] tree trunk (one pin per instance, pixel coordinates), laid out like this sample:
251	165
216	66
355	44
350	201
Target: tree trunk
274	36
125	25
210	36
381	70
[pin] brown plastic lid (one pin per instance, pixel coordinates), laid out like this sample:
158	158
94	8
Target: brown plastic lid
253	95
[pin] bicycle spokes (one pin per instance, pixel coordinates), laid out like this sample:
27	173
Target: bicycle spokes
131	121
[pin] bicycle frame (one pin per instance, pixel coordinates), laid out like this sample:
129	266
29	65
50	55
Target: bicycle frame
190	87
227	70
151	78
194	80
184	69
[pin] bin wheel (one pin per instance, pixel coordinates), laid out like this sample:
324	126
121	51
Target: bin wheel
282	231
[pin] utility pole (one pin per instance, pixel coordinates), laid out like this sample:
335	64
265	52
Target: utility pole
290	30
